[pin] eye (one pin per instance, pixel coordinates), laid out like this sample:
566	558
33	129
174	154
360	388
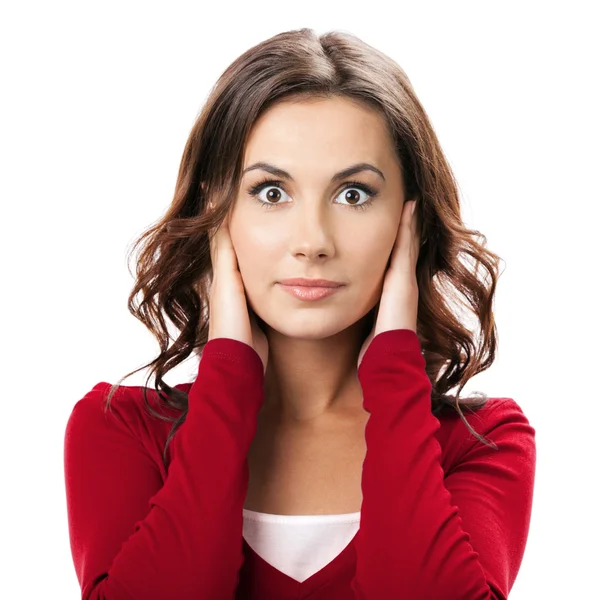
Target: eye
272	200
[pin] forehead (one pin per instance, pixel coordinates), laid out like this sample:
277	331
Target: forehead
319	132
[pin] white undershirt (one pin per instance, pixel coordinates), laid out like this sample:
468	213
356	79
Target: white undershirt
299	545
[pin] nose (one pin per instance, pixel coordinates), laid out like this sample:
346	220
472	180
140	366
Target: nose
311	232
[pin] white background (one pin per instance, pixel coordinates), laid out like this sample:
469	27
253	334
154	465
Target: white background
97	102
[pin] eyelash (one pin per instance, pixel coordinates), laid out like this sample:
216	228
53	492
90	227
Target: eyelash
257	188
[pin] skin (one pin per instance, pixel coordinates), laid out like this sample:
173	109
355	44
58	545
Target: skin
314	232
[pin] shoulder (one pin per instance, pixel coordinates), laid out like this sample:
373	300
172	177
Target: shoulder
124	422
126	407
501	421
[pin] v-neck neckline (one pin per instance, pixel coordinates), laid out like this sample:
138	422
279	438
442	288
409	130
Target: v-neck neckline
267	578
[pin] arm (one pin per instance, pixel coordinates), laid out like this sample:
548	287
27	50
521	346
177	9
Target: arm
423	535
133	538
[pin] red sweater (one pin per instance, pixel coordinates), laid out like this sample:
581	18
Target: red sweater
443	516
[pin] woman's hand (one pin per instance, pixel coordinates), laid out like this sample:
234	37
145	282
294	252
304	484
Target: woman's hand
229	313
397	308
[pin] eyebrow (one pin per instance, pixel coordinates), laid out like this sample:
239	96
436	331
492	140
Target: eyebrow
351	170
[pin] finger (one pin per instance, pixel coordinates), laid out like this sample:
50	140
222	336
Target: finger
215	237
415	230
409	236
404	229
225	245
404	245
225	263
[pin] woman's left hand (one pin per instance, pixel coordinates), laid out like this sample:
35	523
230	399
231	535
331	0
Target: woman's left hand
397	308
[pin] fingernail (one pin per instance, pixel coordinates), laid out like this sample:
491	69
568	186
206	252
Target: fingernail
412	208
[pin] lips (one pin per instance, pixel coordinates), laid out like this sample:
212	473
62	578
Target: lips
310	283
310	293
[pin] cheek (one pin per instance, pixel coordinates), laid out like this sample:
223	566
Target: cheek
257	253
372	262
368	267
377	250
259	250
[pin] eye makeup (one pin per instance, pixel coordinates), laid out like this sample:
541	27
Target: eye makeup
255	190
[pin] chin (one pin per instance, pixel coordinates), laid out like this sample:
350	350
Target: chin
307	326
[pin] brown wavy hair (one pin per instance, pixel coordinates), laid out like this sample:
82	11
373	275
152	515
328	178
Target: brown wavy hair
174	270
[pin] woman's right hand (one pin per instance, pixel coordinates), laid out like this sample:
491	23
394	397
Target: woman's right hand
229	313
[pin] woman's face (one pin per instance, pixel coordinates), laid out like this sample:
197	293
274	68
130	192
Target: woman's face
307	226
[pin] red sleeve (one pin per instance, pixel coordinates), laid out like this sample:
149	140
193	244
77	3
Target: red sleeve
424	535
133	537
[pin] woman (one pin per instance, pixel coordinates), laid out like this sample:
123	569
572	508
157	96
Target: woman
318	452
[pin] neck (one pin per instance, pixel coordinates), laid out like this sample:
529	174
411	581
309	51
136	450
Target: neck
307	380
